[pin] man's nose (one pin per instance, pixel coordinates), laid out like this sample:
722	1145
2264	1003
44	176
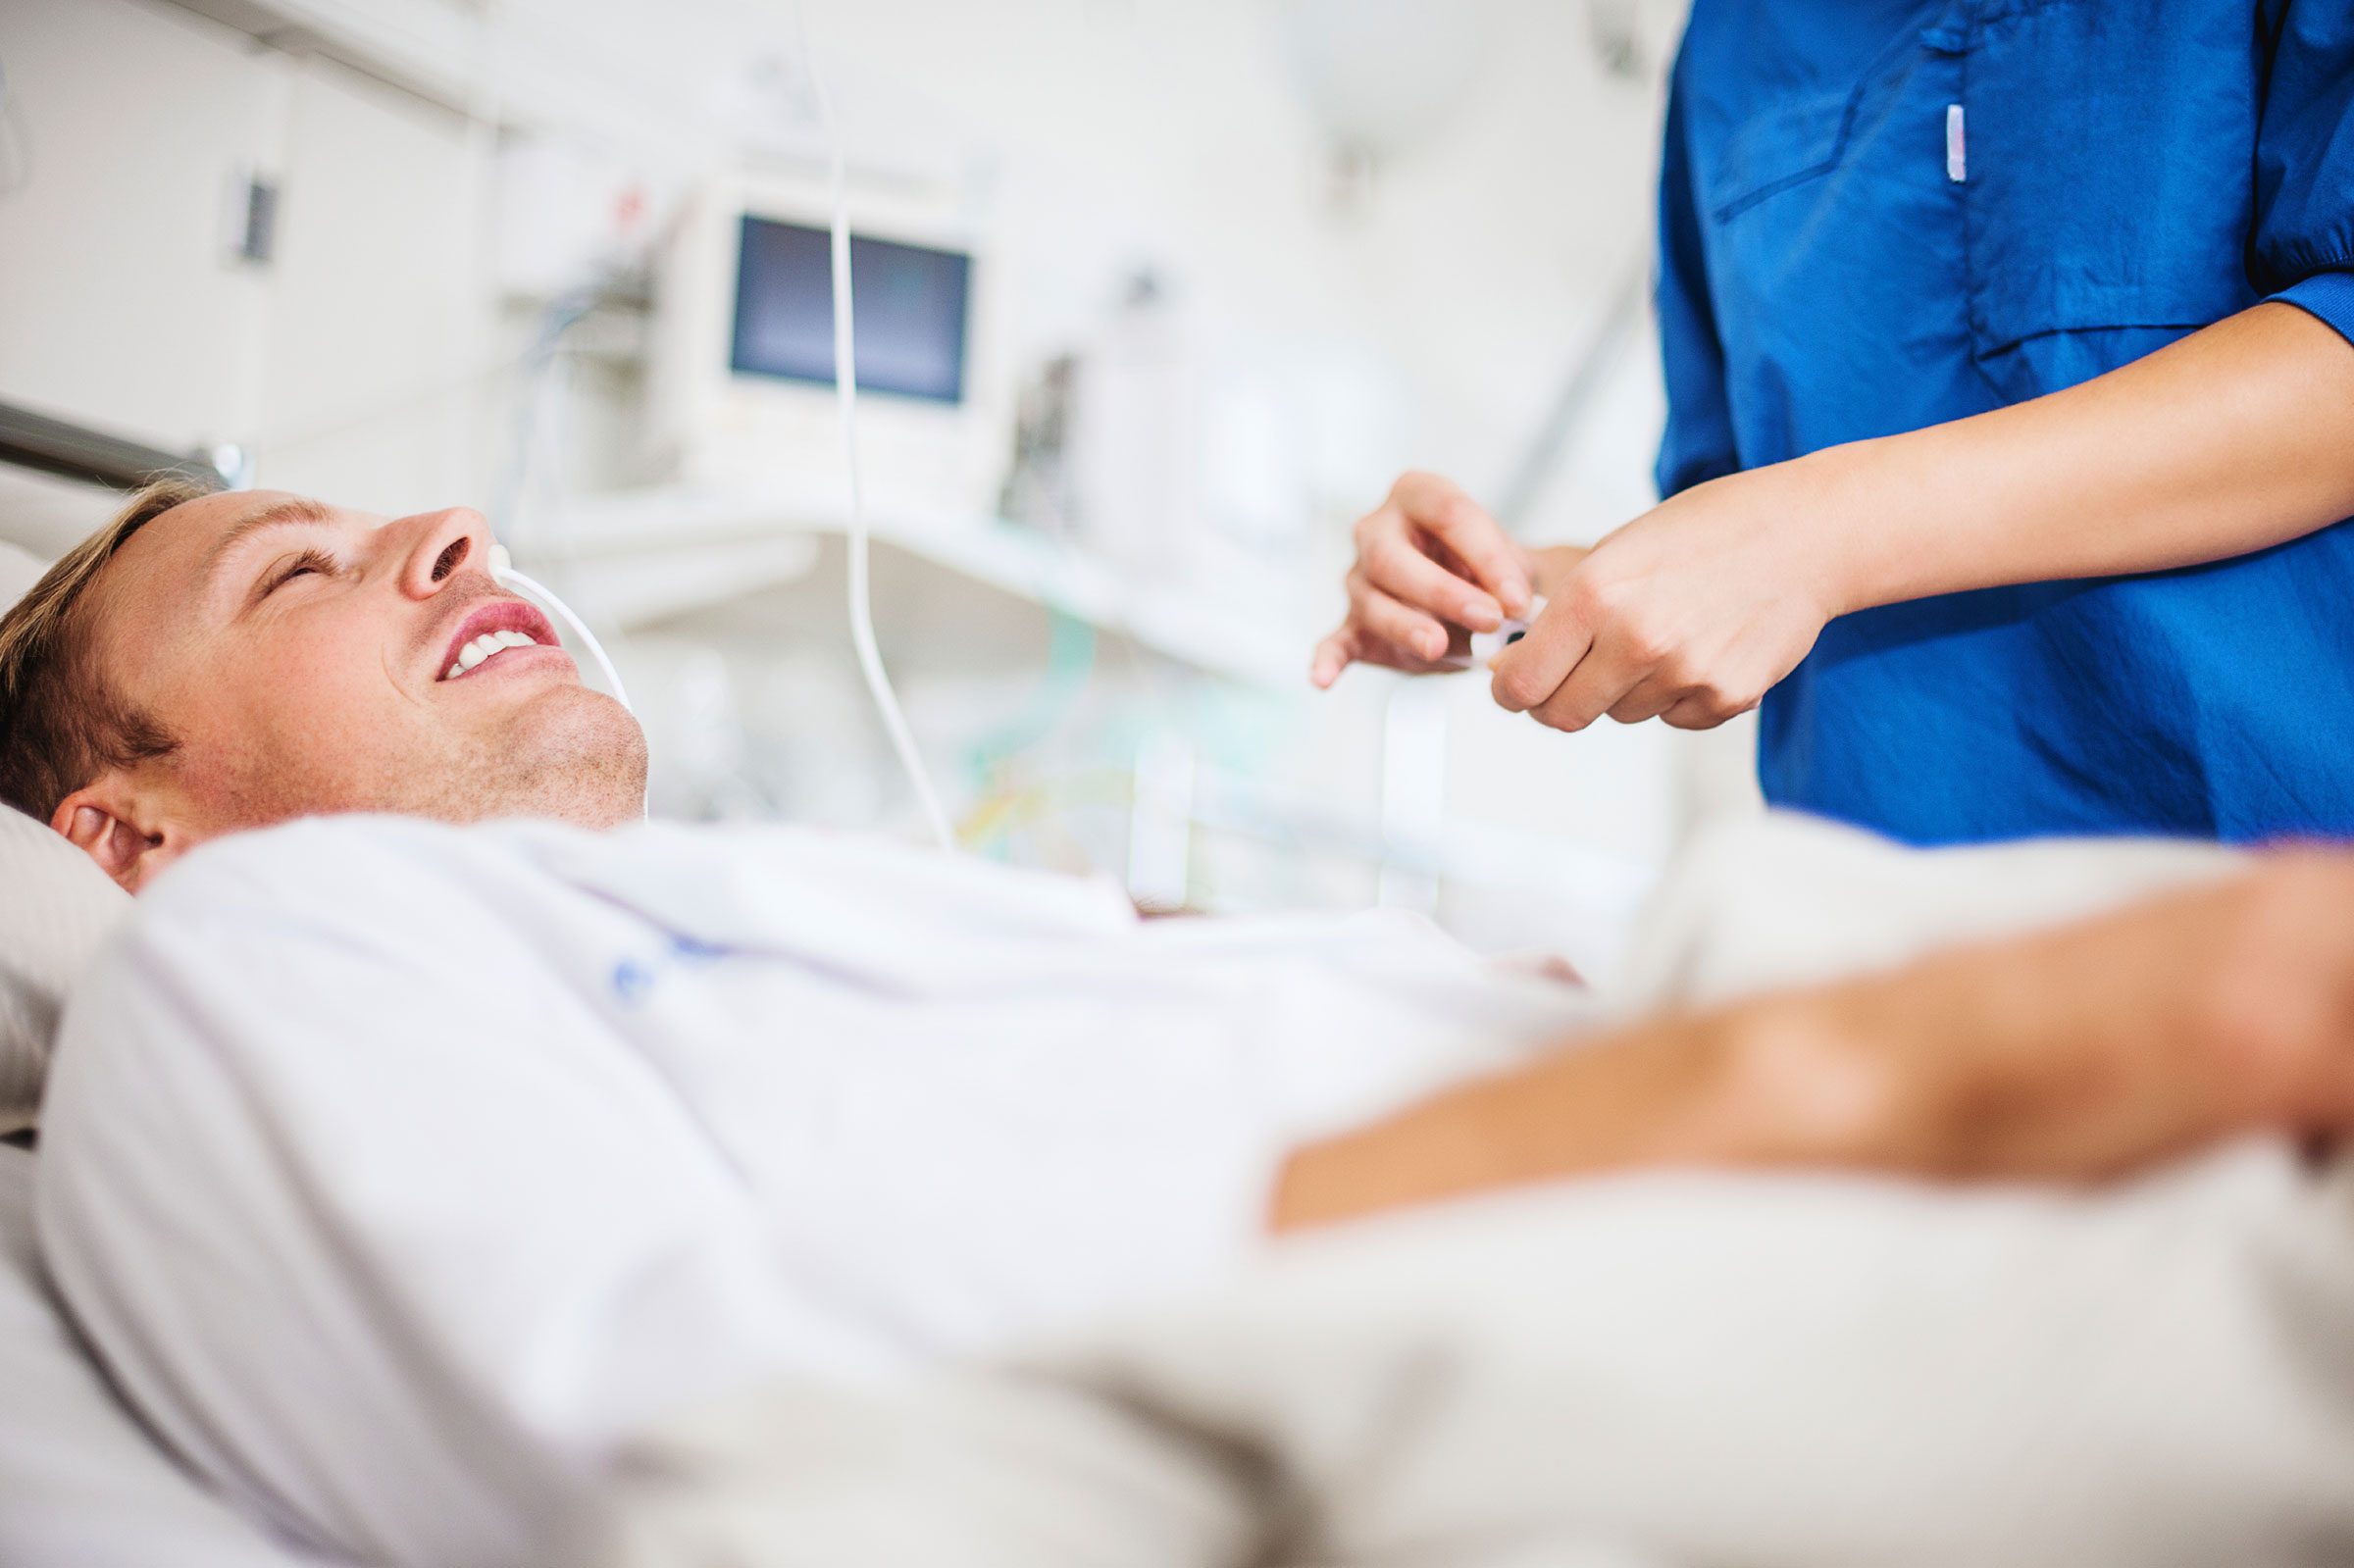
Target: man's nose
437	545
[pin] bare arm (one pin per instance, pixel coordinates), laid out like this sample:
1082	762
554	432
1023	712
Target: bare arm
2235	438
2073	1055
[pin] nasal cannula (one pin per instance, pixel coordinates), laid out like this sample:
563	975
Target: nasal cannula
503	573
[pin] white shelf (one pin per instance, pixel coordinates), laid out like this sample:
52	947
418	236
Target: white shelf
655	552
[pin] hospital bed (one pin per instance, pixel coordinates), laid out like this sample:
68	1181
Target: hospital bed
1349	1376
1357	1364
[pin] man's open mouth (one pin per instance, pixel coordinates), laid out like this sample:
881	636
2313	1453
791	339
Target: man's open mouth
493	629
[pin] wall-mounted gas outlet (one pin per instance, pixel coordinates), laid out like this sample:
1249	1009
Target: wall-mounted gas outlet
249	219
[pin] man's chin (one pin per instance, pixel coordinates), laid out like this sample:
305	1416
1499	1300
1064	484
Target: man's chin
574	755
563	754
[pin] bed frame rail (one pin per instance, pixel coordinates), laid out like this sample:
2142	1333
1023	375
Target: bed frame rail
50	445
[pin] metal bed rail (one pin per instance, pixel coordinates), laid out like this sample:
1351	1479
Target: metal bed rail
47	444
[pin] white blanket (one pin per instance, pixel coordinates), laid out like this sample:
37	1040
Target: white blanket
1656	1371
1791	1372
397	1171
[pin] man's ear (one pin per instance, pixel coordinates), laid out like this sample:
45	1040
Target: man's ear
109	822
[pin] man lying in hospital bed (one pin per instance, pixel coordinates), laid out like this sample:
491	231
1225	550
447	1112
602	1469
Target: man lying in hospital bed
403	1173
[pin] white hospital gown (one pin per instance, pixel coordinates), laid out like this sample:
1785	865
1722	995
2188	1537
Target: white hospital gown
398	1171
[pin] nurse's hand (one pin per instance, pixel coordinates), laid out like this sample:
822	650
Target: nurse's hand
1431	569
1688	614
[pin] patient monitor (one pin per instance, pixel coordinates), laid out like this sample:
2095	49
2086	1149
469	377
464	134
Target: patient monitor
741	391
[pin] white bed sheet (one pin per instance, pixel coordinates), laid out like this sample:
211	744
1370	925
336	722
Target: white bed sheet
1669	1371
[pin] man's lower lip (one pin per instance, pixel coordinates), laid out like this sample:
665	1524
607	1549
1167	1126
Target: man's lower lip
518	656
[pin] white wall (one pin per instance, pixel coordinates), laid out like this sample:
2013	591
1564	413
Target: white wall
1477	265
115	303
119	304
378	304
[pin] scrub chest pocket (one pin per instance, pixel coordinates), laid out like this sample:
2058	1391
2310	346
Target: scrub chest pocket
2110	166
1832	248
1779	151
2066	166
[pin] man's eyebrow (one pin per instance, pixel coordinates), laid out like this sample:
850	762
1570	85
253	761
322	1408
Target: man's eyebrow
294	510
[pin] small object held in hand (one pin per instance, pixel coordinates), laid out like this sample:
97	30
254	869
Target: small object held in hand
1485	645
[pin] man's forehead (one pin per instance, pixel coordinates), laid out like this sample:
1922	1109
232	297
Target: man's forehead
171	552
157	575
199	530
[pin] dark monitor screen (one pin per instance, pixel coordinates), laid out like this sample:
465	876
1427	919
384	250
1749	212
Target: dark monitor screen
910	309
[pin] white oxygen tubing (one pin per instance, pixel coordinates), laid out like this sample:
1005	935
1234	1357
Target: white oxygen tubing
503	573
846	391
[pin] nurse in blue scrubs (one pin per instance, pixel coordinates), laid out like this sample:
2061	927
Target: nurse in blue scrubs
2009	361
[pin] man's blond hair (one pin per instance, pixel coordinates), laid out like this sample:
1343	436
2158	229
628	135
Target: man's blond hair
61	723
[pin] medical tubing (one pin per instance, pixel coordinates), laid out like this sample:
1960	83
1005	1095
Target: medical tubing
846	391
507	577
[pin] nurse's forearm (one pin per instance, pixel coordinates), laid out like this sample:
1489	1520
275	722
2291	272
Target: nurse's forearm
2237	437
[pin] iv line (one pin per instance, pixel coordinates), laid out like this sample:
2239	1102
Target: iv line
862	617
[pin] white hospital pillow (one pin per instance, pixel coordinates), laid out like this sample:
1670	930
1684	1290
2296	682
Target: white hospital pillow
80	1482
55	908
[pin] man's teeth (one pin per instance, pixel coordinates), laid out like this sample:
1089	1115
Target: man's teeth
484	647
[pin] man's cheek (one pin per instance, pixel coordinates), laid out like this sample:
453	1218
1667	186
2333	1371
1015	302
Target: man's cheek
323	697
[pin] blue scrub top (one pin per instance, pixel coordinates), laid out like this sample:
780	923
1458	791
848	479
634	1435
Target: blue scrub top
1843	256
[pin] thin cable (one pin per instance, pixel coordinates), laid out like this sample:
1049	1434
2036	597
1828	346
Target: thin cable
846	391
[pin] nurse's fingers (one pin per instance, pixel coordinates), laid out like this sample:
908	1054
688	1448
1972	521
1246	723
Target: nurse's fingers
1603	679
1333	655
1348	646
1648	700
1704	710
1531	670
1383	619
1441	508
1394	565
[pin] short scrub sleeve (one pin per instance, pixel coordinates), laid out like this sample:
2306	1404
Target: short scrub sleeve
2303	251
